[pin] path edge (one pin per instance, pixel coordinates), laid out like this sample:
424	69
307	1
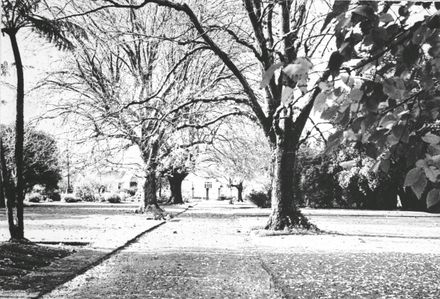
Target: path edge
107	255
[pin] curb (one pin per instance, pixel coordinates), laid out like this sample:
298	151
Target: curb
108	255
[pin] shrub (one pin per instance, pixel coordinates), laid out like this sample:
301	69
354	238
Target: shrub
35	197
123	196
131	191
259	198
224	197
53	195
70	198
112	198
86	193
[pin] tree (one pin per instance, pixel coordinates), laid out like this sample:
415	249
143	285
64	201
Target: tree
40	162
283	107
237	155
135	87
176	165
389	105
16	15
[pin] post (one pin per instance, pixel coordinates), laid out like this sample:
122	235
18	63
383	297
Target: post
208	185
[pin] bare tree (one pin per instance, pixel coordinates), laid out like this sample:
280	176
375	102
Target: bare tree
238	155
273	35
134	85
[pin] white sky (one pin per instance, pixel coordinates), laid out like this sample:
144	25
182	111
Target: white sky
38	57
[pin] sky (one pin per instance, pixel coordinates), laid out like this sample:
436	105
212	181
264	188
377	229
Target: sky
38	57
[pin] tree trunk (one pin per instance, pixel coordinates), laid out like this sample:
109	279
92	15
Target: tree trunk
150	206
285	213
17	230
239	188
2	185
175	181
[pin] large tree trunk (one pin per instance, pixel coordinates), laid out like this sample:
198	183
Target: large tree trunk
239	188
285	213
17	229
149	205
175	181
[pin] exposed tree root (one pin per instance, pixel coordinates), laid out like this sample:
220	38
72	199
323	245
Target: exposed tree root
292	220
21	241
154	212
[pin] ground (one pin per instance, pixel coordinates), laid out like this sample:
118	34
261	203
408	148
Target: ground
217	250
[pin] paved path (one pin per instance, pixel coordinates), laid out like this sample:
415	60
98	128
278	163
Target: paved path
212	251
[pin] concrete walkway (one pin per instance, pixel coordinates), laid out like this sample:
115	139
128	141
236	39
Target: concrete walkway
214	251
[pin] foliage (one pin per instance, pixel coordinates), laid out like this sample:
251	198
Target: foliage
53	195
41	164
389	103
17	14
130	191
259	198
221	198
319	184
112	198
87	191
69	198
238	155
35	197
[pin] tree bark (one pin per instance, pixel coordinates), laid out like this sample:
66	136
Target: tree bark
149	205
17	231
2	184
175	181
285	213
239	188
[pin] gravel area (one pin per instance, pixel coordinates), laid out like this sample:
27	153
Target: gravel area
197	256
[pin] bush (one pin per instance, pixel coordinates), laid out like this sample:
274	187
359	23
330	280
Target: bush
131	191
112	198
35	197
70	198
86	193
259	198
225	198
53	195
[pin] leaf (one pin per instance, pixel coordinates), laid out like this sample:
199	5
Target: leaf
338	8
401	133
416	179
433	198
268	74
433	150
378	134
356	95
413	176
287	94
335	62
386	18
300	67
365	11
385	165
320	104
371	150
356	124
388	120
431	138
333	142
432	173
329	113
348	164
